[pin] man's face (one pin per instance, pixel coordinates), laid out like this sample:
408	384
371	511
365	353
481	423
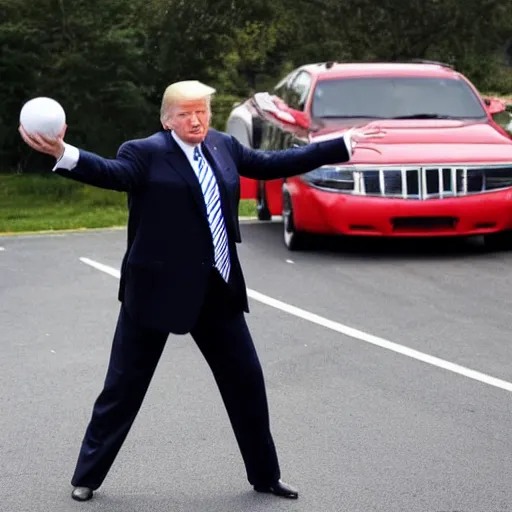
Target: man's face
190	119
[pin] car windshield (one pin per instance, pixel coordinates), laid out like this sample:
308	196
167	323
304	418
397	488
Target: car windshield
395	97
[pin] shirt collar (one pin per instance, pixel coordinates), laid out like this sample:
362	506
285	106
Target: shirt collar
188	149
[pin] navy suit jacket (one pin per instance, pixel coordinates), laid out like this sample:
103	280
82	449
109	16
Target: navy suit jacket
166	268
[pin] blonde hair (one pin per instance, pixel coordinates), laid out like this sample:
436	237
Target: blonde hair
184	90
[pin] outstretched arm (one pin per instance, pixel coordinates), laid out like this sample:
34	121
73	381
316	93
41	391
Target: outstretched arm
268	165
124	173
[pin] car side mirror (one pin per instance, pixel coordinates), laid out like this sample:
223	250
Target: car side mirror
301	118
495	106
275	106
267	103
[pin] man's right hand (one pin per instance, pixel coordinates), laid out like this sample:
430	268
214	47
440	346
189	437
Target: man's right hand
43	144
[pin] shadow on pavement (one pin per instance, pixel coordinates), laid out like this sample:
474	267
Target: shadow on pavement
380	248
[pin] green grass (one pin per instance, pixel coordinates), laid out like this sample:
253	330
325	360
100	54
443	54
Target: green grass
247	208
50	202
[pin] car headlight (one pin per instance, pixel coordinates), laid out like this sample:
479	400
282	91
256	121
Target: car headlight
331	177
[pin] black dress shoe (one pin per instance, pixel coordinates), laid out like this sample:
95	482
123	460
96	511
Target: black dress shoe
81	493
279	488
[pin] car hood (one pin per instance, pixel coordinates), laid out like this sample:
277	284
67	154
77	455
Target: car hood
425	141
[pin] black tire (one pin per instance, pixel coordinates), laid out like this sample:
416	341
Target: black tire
262	210
293	240
499	241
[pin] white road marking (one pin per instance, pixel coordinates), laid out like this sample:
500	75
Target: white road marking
291	262
351	332
104	268
2	249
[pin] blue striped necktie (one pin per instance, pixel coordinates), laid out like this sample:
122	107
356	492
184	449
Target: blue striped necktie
211	195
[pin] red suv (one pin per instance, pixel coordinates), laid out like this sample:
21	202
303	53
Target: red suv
443	168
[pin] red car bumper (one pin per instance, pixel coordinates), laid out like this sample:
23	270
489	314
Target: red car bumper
336	213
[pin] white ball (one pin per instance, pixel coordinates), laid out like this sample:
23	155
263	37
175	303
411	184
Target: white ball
43	115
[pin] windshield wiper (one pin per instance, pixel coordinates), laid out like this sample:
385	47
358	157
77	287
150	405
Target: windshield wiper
419	115
350	117
425	116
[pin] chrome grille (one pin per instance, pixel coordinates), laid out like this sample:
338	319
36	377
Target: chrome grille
431	182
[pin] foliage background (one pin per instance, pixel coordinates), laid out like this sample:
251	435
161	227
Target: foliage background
108	61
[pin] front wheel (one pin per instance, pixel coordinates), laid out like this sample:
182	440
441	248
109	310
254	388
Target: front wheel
262	210
293	240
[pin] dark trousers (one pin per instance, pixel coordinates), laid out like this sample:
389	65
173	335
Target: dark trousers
224	340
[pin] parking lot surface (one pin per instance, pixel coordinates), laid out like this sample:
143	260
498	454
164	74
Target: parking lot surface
388	366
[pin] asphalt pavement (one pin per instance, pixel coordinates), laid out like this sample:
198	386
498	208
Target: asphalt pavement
362	423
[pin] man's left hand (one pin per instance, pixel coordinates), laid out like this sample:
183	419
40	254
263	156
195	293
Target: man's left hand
356	135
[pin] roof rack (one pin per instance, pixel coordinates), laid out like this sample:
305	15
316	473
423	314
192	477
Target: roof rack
433	62
330	63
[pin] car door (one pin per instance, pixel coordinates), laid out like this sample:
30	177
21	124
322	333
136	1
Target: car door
285	136
253	124
273	129
272	133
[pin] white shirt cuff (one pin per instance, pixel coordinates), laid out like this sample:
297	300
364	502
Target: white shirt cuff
349	143
69	158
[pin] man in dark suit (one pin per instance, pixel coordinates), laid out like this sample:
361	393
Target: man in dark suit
181	273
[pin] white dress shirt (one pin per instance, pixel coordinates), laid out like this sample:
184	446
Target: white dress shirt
349	143
188	149
69	158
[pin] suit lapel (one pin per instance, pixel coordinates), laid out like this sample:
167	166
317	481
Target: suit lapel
179	162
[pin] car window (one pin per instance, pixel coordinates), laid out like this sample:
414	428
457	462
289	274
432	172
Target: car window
281	89
299	90
388	97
